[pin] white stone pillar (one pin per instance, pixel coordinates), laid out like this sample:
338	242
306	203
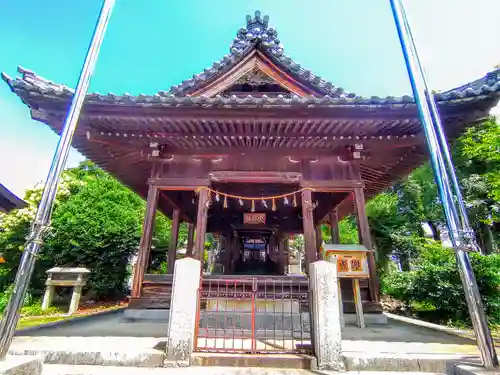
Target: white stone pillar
75	297
184	304
326	319
47	297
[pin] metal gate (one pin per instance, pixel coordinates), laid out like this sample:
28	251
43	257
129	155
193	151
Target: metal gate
253	315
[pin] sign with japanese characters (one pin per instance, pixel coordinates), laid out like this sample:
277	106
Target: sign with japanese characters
254	218
352	260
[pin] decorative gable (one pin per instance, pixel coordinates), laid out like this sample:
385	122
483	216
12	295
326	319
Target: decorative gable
255	83
255	75
261	42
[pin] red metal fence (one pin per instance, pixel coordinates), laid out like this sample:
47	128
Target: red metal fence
253	315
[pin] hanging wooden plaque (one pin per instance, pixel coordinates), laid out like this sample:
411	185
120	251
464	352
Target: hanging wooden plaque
254	218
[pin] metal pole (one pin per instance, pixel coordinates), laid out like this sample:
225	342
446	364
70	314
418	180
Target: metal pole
476	310
468	234
43	215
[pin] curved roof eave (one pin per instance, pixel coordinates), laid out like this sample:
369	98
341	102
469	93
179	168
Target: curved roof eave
29	86
257	35
9	201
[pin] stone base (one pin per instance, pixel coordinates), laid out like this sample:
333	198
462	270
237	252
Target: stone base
281	361
21	365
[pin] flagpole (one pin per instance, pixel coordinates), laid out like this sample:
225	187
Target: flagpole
42	219
430	121
468	234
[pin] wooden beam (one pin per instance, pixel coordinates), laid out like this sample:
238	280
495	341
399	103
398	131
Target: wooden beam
281	253
319	239
190	239
366	239
332	186
128	138
334	227
255	177
259	152
178	183
145	242
308	224
201	225
174	237
175	206
215	113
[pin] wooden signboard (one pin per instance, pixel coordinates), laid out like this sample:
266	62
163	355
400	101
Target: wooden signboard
352	261
254	218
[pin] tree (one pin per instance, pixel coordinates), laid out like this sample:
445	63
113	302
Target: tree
478	154
96	223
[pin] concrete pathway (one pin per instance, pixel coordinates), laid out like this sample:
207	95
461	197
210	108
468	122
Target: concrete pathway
101	370
107	331
110	340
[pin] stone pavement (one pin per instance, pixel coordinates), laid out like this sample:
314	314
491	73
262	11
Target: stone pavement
111	340
102	370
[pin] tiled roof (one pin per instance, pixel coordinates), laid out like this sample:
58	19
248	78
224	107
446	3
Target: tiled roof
9	201
37	86
257	34
482	85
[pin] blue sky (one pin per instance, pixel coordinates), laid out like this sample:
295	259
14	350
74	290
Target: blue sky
153	44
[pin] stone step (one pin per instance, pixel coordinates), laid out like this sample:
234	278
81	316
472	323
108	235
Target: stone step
140	357
284	361
108	370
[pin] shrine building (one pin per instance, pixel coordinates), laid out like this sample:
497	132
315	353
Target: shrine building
254	149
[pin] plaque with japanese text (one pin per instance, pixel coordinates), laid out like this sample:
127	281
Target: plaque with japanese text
352	260
254	218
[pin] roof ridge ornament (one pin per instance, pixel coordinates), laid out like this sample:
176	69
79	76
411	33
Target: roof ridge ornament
257	30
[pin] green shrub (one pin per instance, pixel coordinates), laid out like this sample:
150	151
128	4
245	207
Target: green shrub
96	224
5	296
435	283
35	309
398	285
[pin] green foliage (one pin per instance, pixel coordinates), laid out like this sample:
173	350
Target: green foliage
35	309
96	224
5	296
479	154
398	285
347	231
436	283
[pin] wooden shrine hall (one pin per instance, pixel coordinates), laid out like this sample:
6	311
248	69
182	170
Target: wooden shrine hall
255	149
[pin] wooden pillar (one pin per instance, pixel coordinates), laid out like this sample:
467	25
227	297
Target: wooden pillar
334	227
201	225
287	257
235	252
190	239
308	226
319	240
227	253
174	237
145	242
281	255
366	240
